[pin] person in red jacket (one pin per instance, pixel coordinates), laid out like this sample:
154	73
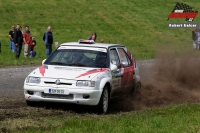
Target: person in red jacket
32	52
27	41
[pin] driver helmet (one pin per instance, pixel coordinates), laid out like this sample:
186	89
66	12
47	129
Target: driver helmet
76	56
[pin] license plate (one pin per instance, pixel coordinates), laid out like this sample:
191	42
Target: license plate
56	91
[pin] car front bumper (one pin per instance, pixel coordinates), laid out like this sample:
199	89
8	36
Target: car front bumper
75	95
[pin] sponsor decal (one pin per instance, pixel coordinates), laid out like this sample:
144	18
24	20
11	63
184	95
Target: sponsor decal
118	73
69	69
92	72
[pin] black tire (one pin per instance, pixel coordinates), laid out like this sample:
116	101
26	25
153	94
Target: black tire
104	101
31	103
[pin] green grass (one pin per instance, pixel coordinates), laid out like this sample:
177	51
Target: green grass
139	25
173	119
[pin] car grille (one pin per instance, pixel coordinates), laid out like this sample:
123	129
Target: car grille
57	96
59	84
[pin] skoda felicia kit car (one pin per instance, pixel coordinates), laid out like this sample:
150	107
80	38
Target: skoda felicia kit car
83	72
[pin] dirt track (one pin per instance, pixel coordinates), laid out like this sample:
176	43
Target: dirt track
165	81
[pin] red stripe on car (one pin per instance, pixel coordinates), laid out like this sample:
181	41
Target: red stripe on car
42	70
92	72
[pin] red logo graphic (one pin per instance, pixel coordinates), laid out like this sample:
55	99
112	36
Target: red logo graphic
183	11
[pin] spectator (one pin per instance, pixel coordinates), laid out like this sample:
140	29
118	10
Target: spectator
48	40
93	37
11	34
32	52
198	40
27	41
18	40
194	37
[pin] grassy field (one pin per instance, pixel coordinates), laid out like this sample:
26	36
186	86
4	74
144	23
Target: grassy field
173	119
139	25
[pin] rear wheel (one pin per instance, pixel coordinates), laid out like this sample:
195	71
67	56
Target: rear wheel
104	101
135	86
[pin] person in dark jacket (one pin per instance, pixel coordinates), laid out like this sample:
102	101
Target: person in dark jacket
11	36
194	37
18	40
48	40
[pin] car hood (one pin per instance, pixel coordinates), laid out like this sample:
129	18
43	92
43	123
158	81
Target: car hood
66	72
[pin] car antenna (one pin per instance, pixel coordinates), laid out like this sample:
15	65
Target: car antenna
109	41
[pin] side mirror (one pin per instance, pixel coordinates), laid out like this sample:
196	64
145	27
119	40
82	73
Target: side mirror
113	67
113	62
43	61
124	63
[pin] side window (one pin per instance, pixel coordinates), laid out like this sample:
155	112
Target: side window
114	58
123	57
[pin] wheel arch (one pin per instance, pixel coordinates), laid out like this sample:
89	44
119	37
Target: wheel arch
109	87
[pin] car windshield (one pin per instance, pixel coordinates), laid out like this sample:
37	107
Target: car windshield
78	57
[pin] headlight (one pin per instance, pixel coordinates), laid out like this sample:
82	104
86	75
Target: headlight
85	83
33	80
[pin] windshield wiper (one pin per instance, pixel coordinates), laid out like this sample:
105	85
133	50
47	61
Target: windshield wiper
76	64
57	63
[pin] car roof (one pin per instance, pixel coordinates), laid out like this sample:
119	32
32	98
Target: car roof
99	45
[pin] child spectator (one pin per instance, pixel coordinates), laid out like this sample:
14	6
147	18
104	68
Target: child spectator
32	52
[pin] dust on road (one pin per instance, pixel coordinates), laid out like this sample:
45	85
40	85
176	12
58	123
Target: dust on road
168	81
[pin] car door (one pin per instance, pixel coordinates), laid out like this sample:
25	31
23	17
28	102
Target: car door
116	75
126	64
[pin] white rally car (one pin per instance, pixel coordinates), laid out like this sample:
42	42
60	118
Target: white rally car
83	72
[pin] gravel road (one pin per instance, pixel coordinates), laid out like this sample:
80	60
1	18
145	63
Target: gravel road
12	79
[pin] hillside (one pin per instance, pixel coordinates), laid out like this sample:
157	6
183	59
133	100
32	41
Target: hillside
141	26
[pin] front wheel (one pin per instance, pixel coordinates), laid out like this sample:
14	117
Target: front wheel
32	103
104	101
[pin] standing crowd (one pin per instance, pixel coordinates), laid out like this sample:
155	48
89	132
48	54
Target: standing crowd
19	38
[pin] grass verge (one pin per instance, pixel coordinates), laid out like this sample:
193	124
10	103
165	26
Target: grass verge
165	120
